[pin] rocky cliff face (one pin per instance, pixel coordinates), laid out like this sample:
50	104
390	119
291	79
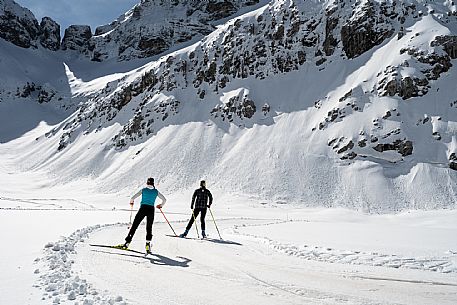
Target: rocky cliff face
50	34
78	38
150	28
154	26
19	26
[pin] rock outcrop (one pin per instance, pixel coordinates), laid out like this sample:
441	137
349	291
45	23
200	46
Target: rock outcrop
453	161
78	38
19	26
50	34
368	28
405	148
154	26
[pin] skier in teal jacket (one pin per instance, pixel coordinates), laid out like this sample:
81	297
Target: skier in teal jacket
149	195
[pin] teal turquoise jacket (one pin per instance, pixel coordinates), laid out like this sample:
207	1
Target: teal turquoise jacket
149	195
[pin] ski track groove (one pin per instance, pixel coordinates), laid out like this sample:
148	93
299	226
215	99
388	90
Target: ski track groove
329	255
310	294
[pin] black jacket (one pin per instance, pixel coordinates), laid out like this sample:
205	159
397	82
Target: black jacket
200	198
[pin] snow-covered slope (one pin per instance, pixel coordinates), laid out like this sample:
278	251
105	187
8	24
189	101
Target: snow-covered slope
325	103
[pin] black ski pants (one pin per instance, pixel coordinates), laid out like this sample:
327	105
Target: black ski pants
202	218
144	211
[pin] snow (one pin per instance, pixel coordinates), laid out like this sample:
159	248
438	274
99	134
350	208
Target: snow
283	268
233	149
271	252
299	225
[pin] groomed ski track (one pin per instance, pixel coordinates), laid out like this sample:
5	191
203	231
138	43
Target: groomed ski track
244	269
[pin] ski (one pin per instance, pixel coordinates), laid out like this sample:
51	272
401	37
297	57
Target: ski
193	238
209	239
177	236
119	248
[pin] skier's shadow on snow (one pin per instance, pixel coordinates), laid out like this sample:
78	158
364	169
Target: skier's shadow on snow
222	241
213	240
156	259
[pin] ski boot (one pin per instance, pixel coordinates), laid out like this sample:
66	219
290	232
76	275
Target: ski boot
148	247
123	246
203	234
183	235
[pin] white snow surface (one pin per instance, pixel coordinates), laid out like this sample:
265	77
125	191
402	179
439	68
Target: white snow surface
270	253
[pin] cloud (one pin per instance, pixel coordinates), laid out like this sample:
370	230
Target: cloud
89	12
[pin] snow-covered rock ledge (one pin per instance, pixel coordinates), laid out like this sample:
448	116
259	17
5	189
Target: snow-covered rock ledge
57	279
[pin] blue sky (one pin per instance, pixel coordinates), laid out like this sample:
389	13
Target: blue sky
68	12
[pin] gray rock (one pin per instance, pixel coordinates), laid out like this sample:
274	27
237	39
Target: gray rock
330	41
453	161
403	147
77	38
449	43
360	34
136	36
18	25
453	165
453	157
50	34
220	9
348	146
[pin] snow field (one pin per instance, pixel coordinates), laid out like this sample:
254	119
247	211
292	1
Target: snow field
243	268
325	254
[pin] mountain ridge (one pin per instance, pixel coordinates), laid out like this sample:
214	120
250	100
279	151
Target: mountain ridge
151	27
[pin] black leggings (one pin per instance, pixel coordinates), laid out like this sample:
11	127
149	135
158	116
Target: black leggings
202	218
144	211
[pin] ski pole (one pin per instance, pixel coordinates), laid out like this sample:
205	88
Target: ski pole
195	220
168	222
131	212
215	223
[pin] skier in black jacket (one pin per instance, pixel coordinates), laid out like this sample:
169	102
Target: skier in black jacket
200	198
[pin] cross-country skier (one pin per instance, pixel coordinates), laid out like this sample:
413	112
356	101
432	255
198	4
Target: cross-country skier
203	199
148	197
